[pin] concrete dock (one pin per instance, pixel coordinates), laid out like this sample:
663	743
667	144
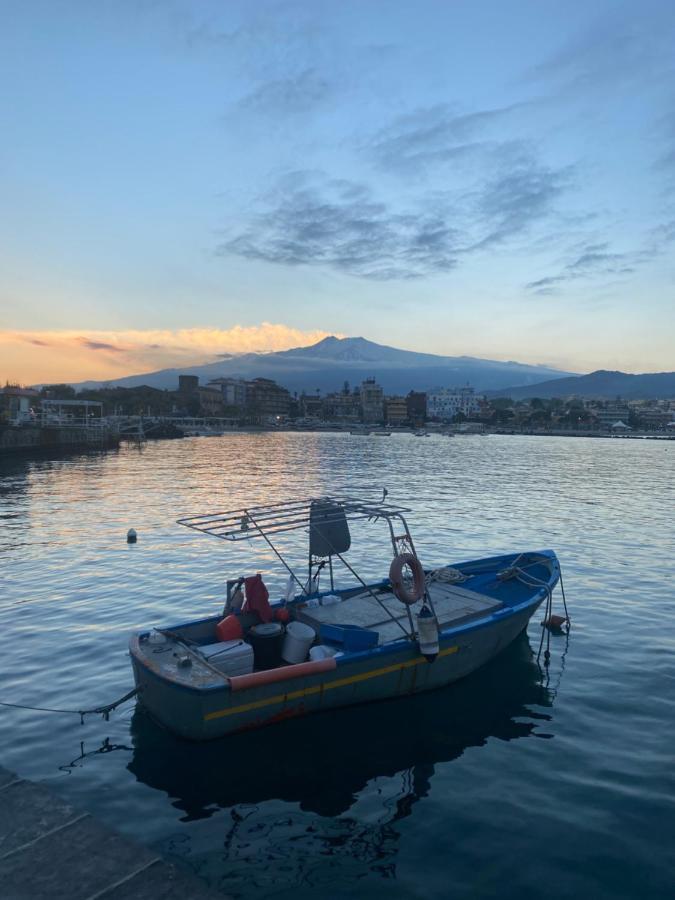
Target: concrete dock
50	850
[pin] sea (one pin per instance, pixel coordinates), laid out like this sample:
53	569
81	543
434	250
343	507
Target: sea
520	781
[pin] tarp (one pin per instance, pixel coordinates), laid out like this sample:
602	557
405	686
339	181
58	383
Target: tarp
257	597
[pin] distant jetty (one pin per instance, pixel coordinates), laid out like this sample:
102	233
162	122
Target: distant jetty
38	439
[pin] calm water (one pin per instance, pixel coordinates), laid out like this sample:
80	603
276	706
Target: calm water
499	784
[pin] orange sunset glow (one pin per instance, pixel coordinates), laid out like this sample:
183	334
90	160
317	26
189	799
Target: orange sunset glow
33	357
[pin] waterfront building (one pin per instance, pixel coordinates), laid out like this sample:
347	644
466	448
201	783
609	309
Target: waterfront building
188	384
15	405
233	391
610	413
71	413
416	405
651	415
311	406
395	410
342	407
210	401
265	399
372	401
446	403
485	410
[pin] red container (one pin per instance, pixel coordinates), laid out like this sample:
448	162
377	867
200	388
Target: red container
229	629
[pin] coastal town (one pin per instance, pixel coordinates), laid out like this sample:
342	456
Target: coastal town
59	416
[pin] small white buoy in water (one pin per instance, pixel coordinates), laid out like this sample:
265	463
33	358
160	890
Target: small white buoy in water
131	536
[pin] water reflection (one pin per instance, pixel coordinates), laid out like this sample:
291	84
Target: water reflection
78	761
322	762
14	501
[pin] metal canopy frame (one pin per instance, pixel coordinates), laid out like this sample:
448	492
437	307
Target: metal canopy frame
266	521
250	522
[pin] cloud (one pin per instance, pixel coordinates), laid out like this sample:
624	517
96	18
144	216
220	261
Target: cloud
440	134
76	355
597	259
311	220
619	48
286	96
99	345
544	285
509	203
269	46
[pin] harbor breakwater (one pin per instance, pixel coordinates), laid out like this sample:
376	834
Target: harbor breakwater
36	439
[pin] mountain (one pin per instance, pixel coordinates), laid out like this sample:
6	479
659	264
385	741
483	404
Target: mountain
332	361
600	385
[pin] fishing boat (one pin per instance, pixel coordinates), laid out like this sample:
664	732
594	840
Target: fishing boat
256	663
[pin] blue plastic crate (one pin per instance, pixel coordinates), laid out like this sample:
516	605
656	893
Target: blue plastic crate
349	637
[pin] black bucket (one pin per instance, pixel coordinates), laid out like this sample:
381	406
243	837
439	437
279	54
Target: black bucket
267	641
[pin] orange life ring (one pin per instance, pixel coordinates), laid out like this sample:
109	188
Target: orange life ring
405	594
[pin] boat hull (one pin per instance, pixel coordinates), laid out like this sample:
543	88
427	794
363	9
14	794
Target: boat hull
394	670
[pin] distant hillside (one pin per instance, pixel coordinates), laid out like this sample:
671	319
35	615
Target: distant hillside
600	385
329	363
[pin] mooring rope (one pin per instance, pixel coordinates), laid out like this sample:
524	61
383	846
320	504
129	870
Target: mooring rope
98	710
527	578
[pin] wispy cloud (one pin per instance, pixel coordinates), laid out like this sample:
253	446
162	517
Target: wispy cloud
39	356
436	135
312	220
593	261
597	260
508	204
618	48
98	345
295	93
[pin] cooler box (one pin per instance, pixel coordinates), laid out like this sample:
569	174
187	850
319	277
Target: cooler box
229	657
351	637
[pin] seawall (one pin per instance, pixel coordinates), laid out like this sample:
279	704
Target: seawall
37	439
49	849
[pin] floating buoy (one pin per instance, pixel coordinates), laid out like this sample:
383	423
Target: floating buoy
427	633
131	536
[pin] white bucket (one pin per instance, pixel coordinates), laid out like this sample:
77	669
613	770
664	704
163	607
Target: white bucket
298	640
321	651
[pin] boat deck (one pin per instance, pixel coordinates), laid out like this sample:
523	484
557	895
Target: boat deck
162	659
453	603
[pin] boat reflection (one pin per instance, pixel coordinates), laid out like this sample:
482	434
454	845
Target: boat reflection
323	762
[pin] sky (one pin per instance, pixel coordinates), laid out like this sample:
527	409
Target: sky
182	179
